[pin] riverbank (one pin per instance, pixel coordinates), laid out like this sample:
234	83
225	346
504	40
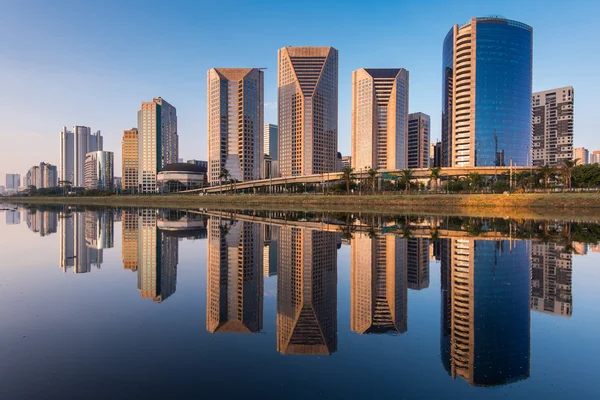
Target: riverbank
554	205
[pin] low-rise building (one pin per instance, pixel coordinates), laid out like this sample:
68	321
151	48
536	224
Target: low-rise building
181	176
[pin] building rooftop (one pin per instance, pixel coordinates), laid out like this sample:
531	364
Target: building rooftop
184	167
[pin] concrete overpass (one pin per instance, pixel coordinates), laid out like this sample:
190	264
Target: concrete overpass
418	173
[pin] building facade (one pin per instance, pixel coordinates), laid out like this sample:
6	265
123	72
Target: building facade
84	142
271	143
418	140
67	156
158	141
581	155
435	154
130	160
99	170
380	118
13	181
235	123
48	175
307	81
595	157
486	93
552	135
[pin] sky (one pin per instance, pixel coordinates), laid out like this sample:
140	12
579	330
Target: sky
92	63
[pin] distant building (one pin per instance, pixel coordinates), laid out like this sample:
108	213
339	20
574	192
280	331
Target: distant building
346	161
84	142
338	162
180	176
435	154
158	141
268	167
99	170
13	181
66	162
307	84
595	157
552	138
130	161
117	182
49	175
380	118
418	140
235	123
2	190
199	163
581	154
271	144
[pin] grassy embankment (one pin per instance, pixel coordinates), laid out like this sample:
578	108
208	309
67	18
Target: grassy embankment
555	205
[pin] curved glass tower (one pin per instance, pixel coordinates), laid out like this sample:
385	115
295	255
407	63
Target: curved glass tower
486	93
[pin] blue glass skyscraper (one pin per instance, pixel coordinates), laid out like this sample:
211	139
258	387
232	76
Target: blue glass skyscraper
486	93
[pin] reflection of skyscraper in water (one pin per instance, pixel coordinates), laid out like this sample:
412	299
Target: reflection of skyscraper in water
307	291
270	252
418	263
42	222
99	228
234	295
378	293
83	236
157	259
129	242
13	217
485	310
551	271
67	239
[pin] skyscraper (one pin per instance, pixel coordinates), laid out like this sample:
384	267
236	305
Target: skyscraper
13	181
485	326
66	163
307	81
84	142
235	123
99	170
418	140
552	140
130	160
271	142
307	292
234	295
49	175
486	93
158	141
378	293
379	118
581	155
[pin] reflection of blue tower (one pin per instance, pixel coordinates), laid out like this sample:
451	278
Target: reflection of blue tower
485	310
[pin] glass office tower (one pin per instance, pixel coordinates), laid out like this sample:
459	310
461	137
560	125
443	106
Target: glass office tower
486	93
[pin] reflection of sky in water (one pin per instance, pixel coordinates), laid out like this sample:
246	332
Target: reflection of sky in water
92	335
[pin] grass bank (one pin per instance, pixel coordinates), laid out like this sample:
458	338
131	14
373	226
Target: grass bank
577	206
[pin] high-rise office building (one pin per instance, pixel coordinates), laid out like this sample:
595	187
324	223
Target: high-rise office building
158	141
307	292
13	181
157	259
418	140
581	155
99	170
485	330
48	175
435	154
486	93
84	142
129	239
235	123
380	118
552	136
271	143
378	293
417	265
234	295
307	81
551	279
66	162
130	160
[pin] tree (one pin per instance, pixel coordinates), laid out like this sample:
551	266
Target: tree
566	171
347	176
475	180
372	176
547	172
223	175
406	178
434	175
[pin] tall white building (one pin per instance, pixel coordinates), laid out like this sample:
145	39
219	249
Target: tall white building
552	136
13	181
84	142
66	161
158	141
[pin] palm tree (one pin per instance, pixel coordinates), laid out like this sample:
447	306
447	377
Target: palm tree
475	180
522	179
406	178
434	175
347	176
372	175
546	172
566	170
223	175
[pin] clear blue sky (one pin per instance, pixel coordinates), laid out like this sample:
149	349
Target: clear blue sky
93	62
